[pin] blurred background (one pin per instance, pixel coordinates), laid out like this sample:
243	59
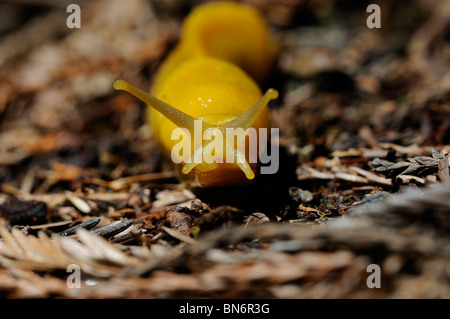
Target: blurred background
342	83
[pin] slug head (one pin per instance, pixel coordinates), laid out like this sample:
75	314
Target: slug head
212	126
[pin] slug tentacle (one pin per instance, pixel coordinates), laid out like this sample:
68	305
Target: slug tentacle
243	164
190	166
178	117
249	117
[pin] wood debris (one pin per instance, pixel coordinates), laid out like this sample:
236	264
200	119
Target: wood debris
364	120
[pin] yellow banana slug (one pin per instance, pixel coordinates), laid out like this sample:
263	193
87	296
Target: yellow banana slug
206	88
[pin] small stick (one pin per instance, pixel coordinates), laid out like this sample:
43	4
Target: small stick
87	225
113	228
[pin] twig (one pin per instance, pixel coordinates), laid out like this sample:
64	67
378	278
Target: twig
113	228
87	225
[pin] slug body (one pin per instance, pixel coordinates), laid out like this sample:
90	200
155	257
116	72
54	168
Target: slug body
211	75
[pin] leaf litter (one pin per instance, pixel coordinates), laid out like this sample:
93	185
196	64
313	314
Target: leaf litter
364	171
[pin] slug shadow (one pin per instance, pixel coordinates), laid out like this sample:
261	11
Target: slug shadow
269	194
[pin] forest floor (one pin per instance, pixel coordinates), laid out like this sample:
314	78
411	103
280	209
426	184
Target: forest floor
364	118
